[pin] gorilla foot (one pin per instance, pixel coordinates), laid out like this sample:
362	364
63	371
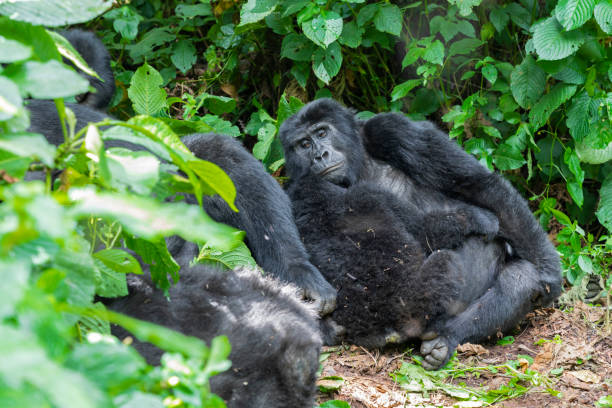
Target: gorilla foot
436	352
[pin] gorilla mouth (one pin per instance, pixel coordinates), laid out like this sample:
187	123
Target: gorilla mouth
331	168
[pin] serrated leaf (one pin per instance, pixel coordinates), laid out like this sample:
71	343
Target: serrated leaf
465	6
239	256
552	43
527	82
183	55
434	53
326	63
297	47
542	110
603	15
508	157
255	10
324	28
401	90
604	209
580	115
574	13
54	13
588	154
145	92
388	19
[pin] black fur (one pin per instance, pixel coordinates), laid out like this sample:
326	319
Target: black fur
275	344
435	187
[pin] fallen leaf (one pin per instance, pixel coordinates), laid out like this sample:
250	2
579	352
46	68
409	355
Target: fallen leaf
472	349
586	376
543	358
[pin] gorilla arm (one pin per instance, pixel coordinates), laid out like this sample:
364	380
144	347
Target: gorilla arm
428	157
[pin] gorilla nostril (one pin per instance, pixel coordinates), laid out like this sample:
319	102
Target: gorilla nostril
325	155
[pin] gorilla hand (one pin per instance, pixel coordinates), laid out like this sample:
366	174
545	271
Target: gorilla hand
481	222
314	287
436	352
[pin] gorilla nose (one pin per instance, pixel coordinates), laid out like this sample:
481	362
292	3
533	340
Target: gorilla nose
324	155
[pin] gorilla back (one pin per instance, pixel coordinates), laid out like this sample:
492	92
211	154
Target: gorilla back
421	168
274	339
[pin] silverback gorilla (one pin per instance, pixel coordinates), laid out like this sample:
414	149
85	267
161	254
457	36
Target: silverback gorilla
274	338
412	231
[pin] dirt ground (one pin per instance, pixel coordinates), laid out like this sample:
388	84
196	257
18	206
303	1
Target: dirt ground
569	349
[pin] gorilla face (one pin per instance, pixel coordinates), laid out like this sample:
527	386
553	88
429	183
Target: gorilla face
323	140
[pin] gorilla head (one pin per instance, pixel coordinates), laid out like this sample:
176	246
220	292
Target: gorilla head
323	139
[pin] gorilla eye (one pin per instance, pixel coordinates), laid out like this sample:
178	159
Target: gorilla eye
305	144
322	133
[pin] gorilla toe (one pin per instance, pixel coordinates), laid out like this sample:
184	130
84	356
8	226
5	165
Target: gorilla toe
436	352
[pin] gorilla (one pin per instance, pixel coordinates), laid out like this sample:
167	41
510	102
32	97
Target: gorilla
274	338
372	196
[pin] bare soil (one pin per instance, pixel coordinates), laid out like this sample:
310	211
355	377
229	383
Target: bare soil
582	349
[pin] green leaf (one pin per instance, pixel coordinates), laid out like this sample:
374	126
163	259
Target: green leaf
434	53
221	126
413	54
351	35
490	73
150	219
330	383
11	99
32	36
265	137
219	104
183	55
604	209
326	63
54	13
588	154
67	50
499	18
464	46
255	10
323	29
239	256
508	157
214	180
506	341
580	115
49	80
527	82
155	253
542	110
401	90
335	404
14	284
138	170
552	43
30	145
603	15
465	6
193	10
112	284
11	51
366	14
388	19
125	21
287	108
297	47
145	92
574	13
118	260
217	362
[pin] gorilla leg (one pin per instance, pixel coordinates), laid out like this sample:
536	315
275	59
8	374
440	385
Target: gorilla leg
275	344
265	215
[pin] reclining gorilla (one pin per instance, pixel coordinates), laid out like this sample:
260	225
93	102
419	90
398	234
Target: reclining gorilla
419	239
274	338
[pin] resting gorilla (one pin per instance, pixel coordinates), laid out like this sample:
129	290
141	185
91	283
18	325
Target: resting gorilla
274	340
401	191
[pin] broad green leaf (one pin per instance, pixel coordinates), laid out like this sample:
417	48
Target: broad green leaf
413	54
221	126
255	10
388	19
67	50
366	14
112	283
155	253
401	90
29	144
54	13
49	80
499	18
150	219
335	404
151	39
214	180
519	15
193	10
11	51
441	25
326	63
434	53
604	209
542	110
465	6
145	92
297	47
217	362
490	73
138	170
265	137
580	115
507	157
527	82
574	13
125	21
323	29
239	256
10	99
219	104
552	43
330	383
119	260
464	46
603	15
138	399
183	55
351	34
588	154
570	70
32	36
14	284
287	108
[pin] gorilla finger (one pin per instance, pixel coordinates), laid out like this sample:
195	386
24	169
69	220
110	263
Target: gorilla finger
427	346
440	353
